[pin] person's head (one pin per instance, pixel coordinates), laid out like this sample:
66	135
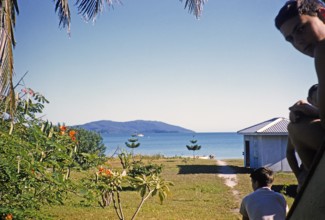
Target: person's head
262	177
302	24
312	95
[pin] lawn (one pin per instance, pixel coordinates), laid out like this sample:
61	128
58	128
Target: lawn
198	193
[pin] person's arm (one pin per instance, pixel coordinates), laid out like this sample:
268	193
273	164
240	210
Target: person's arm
319	55
292	160
302	109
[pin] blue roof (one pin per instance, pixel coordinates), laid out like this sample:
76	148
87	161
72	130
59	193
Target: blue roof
275	126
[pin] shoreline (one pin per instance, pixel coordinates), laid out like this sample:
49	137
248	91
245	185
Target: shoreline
203	157
221	145
209	157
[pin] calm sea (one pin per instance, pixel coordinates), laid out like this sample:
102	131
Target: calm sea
221	145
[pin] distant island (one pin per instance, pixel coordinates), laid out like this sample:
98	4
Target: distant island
132	127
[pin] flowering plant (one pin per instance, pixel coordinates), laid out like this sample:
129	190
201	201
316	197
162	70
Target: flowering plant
35	159
108	184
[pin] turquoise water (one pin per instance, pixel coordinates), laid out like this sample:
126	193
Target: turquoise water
221	145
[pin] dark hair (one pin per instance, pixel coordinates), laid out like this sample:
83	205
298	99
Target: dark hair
312	89
264	176
297	7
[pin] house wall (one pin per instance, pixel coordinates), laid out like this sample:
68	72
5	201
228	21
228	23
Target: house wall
268	151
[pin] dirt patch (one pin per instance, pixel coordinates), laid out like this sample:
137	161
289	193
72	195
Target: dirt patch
228	174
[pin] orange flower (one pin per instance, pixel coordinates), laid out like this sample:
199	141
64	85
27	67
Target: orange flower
9	217
100	169
63	128
108	172
72	133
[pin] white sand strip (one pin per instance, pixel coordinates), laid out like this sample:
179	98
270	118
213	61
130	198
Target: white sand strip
227	173
230	178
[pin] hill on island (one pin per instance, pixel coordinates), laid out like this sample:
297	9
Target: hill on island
131	127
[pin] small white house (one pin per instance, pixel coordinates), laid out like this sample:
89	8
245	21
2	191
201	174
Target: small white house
265	145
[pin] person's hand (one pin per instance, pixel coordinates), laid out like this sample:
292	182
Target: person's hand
295	114
302	109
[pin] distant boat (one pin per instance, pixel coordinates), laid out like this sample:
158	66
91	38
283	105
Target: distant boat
140	135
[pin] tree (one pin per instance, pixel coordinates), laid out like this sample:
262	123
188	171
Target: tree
194	146
109	184
90	148
132	142
89	9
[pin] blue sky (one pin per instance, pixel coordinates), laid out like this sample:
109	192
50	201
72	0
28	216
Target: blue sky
152	60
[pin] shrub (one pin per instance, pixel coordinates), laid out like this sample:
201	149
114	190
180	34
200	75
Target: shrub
90	150
108	184
35	158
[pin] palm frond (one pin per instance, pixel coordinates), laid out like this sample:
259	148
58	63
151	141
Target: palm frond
63	10
89	9
195	6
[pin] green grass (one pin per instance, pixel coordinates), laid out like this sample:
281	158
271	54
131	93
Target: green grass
198	194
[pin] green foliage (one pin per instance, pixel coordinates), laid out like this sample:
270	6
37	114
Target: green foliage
132	142
108	184
152	185
35	158
125	159
284	189
138	168
194	147
90	150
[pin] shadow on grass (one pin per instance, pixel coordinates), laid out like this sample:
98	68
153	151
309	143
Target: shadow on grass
128	188
288	190
212	169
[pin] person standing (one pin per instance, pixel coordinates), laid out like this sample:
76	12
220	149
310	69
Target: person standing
263	203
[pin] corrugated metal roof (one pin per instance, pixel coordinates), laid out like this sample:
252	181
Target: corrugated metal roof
272	126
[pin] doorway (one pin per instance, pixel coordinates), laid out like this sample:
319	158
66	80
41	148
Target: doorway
247	154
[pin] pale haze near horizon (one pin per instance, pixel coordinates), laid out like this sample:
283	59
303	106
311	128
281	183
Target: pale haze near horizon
152	60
